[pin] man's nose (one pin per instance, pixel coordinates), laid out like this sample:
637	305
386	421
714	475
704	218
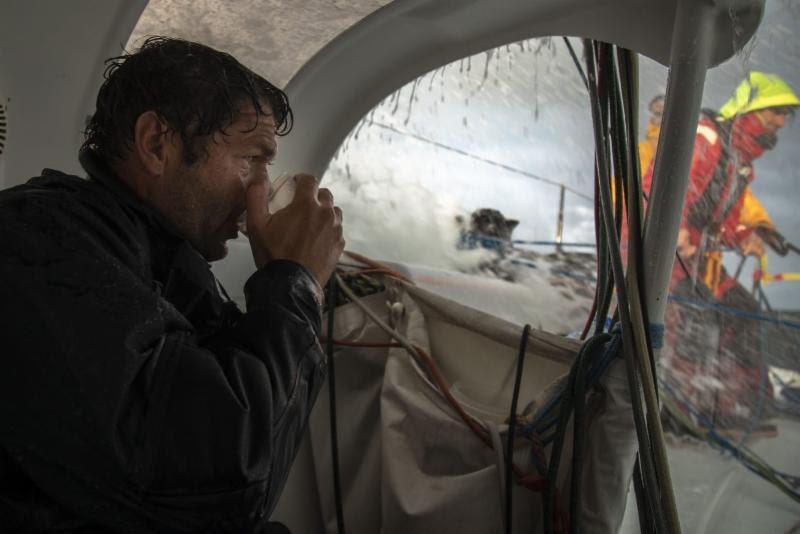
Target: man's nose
779	120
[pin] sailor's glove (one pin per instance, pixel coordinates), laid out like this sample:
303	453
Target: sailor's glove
776	241
752	245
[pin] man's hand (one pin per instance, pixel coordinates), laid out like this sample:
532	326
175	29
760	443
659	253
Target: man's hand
685	248
752	245
308	231
774	239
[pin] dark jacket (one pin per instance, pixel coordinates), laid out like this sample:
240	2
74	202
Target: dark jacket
133	396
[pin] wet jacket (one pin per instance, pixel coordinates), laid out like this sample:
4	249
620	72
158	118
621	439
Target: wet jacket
648	145
133	396
720	209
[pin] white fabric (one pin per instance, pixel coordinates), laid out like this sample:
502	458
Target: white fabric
610	456
408	462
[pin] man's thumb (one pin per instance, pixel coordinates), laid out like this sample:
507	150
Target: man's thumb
257	205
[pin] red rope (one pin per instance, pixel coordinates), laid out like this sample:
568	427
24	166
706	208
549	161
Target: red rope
384	269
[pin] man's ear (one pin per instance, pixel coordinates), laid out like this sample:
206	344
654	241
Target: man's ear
153	142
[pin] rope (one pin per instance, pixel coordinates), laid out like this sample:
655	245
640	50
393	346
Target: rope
545	418
733	311
512	423
577	63
503	166
337	482
649	432
786	483
656	335
530	481
761	274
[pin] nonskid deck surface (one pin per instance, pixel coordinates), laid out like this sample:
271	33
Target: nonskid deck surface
716	493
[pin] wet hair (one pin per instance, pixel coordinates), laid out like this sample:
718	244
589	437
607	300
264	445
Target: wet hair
195	89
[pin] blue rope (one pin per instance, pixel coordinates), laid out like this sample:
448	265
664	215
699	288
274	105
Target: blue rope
526	263
657	331
733	311
724	445
476	239
574	276
551	243
656	335
545	420
473	240
762	382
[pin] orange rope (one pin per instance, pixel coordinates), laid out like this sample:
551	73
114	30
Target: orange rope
377	265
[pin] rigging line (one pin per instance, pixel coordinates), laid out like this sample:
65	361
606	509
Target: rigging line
577	62
481	159
512	423
428	366
715	305
597	94
337	481
423	359
637	320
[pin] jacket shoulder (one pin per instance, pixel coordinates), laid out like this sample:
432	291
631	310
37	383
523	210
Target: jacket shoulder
75	210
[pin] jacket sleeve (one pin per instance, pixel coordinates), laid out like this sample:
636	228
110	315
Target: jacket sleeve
114	407
704	160
753	213
706	154
743	219
647	147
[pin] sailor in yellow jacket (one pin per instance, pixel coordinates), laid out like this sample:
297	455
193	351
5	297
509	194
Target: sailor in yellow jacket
647	146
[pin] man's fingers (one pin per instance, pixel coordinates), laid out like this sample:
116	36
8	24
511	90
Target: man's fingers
257	209
306	187
325	197
338	211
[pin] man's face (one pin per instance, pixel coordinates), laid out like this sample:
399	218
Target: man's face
772	119
205	199
656	111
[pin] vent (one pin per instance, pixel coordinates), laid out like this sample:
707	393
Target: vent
3	127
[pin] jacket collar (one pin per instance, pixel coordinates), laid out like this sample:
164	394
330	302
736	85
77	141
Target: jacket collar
746	130
99	171
188	282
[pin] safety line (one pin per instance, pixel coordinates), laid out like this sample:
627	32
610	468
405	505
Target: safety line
734	311
480	158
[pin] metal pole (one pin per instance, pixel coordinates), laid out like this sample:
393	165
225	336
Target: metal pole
693	39
560	224
692	44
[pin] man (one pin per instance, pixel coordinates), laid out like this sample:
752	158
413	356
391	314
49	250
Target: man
647	146
721	212
134	396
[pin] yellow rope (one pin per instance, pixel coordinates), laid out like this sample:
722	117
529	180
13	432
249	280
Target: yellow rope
767	278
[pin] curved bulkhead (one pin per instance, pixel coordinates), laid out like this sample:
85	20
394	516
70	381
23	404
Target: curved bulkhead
331	93
408	38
